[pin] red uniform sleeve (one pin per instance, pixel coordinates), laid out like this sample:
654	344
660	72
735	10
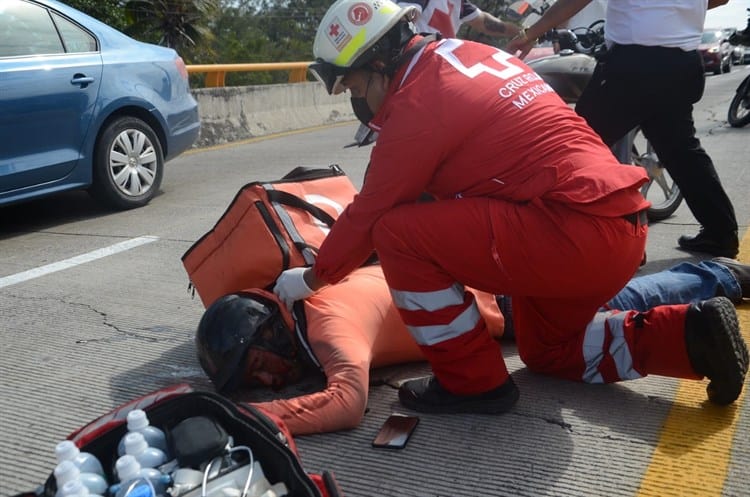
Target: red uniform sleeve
402	164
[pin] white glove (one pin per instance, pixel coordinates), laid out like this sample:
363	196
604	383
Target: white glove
290	286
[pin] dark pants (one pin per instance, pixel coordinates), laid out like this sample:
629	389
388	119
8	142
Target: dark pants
656	87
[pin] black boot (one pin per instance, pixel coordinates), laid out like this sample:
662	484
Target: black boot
721	246
716	349
740	271
427	395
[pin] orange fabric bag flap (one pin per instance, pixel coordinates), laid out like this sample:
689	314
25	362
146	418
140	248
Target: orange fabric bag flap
268	227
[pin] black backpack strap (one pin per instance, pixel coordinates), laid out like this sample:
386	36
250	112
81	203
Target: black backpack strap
285	198
303	173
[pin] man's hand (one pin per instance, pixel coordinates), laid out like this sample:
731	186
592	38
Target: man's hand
520	43
291	286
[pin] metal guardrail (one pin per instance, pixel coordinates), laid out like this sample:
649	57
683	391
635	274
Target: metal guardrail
216	73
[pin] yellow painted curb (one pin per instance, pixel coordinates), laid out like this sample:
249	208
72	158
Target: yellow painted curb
695	444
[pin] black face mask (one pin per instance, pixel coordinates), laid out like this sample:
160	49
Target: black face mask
362	110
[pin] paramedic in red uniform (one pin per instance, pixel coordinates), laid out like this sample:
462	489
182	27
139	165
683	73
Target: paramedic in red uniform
530	204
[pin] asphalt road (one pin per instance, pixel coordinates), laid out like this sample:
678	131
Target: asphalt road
94	311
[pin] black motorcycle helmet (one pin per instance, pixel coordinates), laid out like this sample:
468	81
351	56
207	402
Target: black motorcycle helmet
233	324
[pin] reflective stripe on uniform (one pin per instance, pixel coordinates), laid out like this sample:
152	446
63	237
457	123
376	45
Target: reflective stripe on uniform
593	347
432	334
429	301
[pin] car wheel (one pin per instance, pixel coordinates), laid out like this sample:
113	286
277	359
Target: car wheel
128	164
728	65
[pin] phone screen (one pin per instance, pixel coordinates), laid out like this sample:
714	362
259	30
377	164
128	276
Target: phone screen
395	432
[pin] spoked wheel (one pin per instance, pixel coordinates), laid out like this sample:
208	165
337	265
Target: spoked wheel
661	190
739	109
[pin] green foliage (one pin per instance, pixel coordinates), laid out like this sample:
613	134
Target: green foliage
253	31
108	11
179	24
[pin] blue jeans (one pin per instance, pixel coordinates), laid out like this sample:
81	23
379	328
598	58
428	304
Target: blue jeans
684	283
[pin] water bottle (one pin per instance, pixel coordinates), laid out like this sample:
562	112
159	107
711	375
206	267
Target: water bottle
76	488
86	462
138	422
67	471
138	487
147	457
129	469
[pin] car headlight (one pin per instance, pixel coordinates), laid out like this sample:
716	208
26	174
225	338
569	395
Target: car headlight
713	50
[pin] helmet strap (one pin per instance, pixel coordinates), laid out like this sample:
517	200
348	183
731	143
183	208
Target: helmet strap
405	56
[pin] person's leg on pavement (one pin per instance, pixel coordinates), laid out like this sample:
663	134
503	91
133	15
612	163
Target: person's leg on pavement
497	247
684	283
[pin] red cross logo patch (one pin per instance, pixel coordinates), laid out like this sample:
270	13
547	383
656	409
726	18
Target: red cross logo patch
337	34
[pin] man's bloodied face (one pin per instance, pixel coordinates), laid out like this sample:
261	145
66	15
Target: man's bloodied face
263	367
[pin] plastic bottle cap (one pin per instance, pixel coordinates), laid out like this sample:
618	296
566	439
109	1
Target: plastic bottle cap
66	450
74	488
135	443
127	468
65	472
137	420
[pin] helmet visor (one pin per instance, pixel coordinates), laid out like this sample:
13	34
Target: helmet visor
330	75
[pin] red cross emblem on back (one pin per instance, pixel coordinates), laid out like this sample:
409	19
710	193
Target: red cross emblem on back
334	32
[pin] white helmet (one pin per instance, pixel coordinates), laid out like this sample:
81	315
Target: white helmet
347	31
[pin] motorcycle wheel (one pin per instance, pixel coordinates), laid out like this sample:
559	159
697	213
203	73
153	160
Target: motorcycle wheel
661	190
739	110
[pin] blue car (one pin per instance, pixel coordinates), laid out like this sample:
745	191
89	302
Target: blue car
83	106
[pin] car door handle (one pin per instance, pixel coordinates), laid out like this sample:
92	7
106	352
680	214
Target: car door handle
81	80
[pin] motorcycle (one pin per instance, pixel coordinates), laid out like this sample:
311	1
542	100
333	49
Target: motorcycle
568	72
739	108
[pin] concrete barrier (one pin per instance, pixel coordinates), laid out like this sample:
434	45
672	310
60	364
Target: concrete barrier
239	112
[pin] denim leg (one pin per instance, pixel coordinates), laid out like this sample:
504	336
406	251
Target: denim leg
682	284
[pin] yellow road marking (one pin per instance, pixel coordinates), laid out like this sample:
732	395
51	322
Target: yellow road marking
695	444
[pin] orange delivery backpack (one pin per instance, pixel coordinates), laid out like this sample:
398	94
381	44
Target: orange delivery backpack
268	227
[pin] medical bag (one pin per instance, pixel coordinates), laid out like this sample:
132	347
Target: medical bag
205	431
268	227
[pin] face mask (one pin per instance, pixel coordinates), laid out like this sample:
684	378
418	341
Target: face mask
362	110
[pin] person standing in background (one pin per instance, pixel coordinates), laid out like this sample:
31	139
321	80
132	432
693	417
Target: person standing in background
651	76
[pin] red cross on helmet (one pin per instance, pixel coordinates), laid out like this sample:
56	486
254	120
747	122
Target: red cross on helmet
347	31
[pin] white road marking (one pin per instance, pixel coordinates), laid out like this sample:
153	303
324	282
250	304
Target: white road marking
75	261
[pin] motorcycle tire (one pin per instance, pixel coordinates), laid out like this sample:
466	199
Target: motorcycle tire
739	110
665	195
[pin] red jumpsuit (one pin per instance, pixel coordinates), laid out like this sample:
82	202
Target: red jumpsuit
351	327
532	205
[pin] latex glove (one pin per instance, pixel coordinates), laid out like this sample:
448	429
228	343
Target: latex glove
290	286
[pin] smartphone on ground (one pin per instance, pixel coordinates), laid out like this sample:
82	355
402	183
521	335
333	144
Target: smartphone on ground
395	432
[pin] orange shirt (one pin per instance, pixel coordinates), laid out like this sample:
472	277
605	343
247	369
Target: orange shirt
351	327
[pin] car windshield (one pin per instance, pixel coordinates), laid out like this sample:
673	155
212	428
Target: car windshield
711	36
